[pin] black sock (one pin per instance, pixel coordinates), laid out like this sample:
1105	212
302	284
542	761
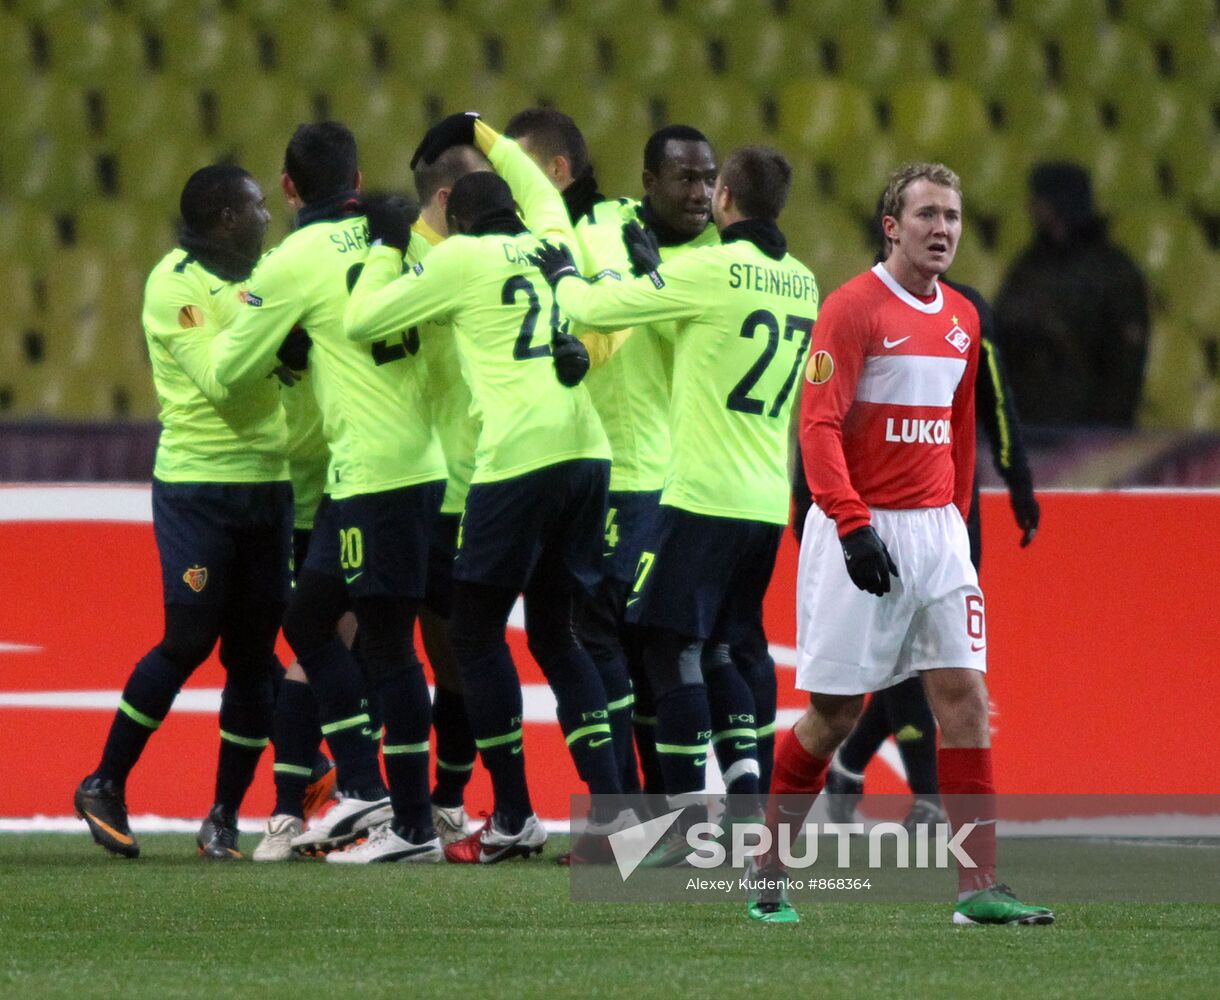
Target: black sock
245	730
683	729
734	736
455	749
584	719
753	659
869	733
408	721
914	728
644	728
297	731
146	700
338	687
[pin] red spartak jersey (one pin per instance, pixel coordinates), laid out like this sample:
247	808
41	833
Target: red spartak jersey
887	415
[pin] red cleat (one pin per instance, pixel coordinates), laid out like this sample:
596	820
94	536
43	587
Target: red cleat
489	844
321	787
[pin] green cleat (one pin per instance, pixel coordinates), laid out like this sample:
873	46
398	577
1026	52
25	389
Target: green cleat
997	905
671	852
769	897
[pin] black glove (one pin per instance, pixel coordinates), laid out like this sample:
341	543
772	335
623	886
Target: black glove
390	218
554	261
868	560
456	130
1024	505
294	351
642	248
571	359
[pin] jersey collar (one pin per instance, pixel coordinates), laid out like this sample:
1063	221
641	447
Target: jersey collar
427	232
887	279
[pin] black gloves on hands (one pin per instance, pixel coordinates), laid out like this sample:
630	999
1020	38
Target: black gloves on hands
390	218
868	560
294	351
554	261
1024	506
456	130
571	359
642	248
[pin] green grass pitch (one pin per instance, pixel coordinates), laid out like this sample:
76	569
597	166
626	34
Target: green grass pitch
75	923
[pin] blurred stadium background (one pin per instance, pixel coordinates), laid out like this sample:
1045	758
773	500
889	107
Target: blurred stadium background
106	106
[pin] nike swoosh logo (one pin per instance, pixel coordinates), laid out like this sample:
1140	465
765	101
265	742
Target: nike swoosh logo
744	746
894	343
122	838
353	578
976	647
518	748
631	601
217	291
594	744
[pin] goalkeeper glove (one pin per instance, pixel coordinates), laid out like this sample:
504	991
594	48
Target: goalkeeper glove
571	359
294	351
389	219
642	248
868	560
1024	505
555	261
456	130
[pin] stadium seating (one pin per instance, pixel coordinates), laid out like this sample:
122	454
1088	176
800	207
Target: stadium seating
107	105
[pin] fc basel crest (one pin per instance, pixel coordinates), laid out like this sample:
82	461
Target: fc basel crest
196	578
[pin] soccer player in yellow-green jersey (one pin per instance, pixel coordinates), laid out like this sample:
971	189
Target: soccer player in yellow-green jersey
222	515
386	482
742	315
534	513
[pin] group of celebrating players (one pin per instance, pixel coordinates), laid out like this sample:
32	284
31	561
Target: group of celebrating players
522	388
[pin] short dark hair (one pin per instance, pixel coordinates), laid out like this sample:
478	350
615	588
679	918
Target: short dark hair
478	194
758	178
445	171
208	192
321	160
554	133
654	148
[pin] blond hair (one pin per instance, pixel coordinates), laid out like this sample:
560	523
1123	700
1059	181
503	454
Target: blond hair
892	202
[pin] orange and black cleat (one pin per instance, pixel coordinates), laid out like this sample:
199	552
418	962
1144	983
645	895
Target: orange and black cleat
321	787
101	805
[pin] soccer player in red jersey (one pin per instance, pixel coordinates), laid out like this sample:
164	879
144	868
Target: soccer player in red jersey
885	586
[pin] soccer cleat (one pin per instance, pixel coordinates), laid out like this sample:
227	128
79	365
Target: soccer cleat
102	806
321	787
346	820
385	844
843	793
278	835
450	823
997	905
217	837
489	845
924	812
769	896
671	851
592	846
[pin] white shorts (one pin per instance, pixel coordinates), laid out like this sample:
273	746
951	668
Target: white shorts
850	642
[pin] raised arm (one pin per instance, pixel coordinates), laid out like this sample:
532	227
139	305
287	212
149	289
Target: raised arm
385	301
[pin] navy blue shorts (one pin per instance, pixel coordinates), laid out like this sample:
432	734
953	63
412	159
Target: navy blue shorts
439	595
704	577
377	542
550	521
300	548
222	542
629	521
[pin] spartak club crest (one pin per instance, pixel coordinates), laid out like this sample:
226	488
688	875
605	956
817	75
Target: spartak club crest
196	578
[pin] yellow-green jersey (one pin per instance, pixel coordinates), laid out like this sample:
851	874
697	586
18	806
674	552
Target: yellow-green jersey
742	320
208	434
375	416
308	455
447	393
631	388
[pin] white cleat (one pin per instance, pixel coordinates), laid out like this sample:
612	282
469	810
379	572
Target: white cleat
278	834
385	845
450	823
489	844
343	822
